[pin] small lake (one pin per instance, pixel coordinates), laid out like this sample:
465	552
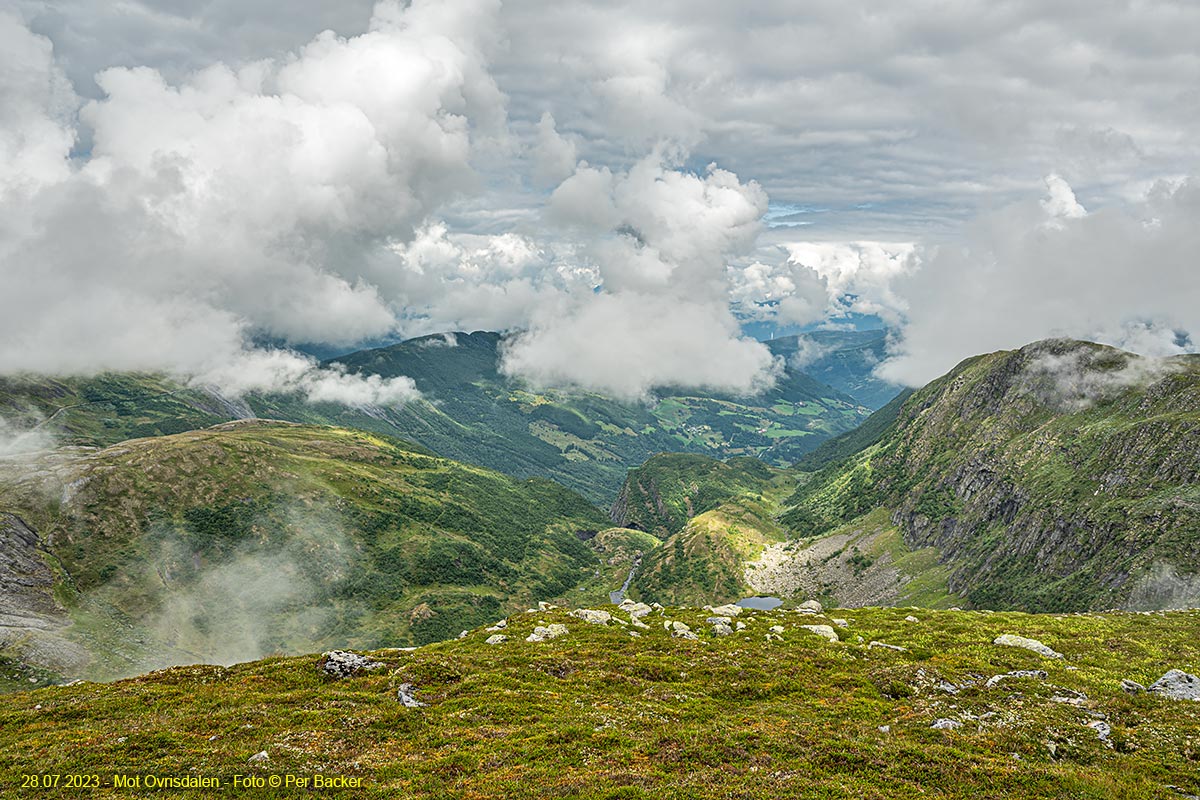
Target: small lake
760	603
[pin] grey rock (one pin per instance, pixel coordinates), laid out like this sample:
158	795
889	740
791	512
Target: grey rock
1037	674
946	724
1132	687
911	618
721	620
886	646
637	610
1011	640
729	610
341	664
405	694
591	615
546	633
722	629
1177	685
1102	729
679	627
496	638
823	631
810	607
841	623
260	757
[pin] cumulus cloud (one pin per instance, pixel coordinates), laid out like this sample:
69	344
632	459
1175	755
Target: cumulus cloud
660	239
35	117
554	156
627	343
242	201
1122	275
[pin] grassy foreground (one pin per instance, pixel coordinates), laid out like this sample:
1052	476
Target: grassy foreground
599	713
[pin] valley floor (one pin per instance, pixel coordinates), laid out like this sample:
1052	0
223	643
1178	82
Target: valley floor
772	710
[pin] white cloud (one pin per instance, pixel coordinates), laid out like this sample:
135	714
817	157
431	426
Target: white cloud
660	239
627	343
1060	202
240	201
35	115
1108	276
554	156
824	281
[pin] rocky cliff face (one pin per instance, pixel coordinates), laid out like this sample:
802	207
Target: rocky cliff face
1059	476
30	617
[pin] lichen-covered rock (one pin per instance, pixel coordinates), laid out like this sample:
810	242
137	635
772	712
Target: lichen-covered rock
1132	687
635	610
726	611
810	607
591	615
544	633
1011	640
946	724
1177	685
824	631
498	638
886	646
721	627
407	697
341	664
1036	674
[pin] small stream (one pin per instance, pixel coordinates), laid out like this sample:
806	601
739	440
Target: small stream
616	597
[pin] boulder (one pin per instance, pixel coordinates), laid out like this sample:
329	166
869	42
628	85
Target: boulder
592	616
635	610
722	629
341	664
810	607
946	724
1177	685
544	633
823	631
498	638
726	611
1011	640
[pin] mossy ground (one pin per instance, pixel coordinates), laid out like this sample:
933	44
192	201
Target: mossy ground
598	713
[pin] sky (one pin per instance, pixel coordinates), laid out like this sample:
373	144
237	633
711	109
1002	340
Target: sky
629	188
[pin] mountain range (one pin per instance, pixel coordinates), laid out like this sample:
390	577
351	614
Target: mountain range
1058	477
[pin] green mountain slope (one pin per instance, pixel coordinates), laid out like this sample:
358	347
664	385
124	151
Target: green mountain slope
585	440
256	537
600	713
469	412
727	533
1056	477
845	360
